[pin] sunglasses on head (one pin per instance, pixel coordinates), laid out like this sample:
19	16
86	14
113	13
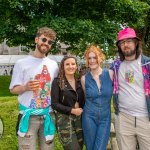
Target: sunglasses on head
50	42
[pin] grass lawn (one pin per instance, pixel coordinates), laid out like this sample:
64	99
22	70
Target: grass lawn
4	86
9	111
8	114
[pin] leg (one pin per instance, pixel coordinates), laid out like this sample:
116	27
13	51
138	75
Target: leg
102	136
78	131
125	131
73	144
143	133
116	117
29	141
66	132
43	144
75	129
89	129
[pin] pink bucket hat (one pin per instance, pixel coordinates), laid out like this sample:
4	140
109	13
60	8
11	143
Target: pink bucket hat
125	34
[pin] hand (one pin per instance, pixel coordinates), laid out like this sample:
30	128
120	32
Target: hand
29	86
32	85
77	111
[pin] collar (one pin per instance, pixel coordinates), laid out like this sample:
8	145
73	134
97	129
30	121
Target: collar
68	86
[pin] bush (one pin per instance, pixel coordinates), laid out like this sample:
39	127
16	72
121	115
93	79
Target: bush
4	86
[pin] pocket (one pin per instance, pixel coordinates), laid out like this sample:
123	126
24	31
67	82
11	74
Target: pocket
64	128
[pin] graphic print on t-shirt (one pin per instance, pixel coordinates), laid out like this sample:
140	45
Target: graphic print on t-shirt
41	97
129	76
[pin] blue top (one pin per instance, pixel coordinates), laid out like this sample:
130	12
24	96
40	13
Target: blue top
98	99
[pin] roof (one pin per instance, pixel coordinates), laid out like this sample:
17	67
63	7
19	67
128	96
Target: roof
11	59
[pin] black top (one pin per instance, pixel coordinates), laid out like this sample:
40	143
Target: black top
63	100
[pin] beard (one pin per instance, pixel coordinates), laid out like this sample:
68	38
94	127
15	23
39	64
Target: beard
129	53
43	50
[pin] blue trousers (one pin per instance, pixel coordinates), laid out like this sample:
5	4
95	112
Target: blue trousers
96	128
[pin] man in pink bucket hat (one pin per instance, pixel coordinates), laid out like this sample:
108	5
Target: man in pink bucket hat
126	33
131	94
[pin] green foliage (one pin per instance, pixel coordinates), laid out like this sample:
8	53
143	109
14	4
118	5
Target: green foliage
4	86
77	22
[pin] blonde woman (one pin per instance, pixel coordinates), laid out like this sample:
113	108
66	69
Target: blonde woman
97	85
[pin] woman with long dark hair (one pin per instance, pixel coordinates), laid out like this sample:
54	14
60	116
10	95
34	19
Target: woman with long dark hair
67	102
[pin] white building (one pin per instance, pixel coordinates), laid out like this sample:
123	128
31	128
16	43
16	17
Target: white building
15	50
9	56
7	62
19	50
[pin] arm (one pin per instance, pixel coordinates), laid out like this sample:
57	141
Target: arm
56	95
55	99
18	89
111	74
83	82
29	86
17	86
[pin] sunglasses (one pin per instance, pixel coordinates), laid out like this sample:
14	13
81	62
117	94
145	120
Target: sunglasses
45	39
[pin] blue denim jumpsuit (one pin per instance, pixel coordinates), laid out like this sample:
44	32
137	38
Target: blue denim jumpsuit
96	119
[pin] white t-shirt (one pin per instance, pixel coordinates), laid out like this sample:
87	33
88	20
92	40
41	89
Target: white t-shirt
131	88
42	69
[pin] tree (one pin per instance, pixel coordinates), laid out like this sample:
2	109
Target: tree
77	22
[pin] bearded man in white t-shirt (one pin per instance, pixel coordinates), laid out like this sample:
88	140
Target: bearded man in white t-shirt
131	93
31	80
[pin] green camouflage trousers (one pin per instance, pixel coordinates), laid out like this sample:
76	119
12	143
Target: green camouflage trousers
69	131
